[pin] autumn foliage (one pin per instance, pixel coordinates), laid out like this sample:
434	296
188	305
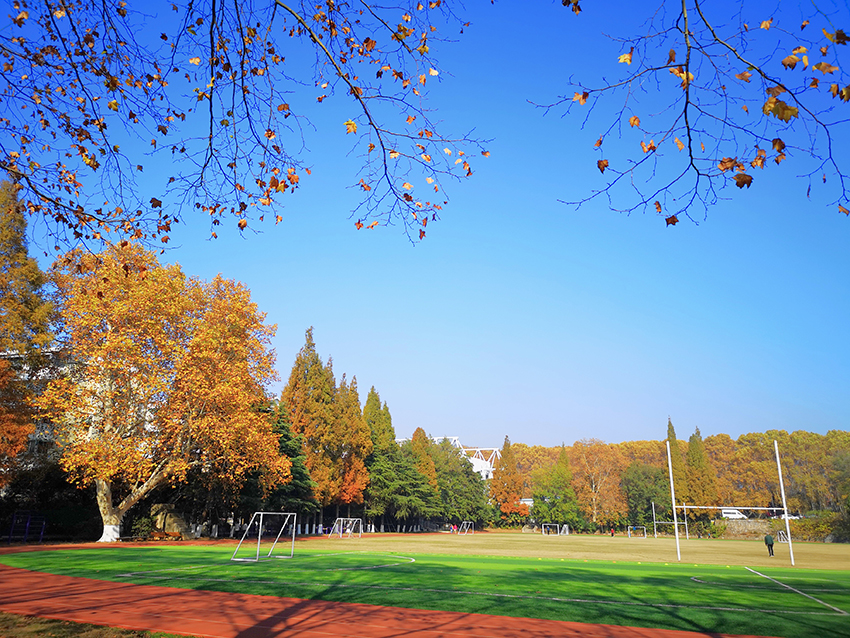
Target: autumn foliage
506	487
168	372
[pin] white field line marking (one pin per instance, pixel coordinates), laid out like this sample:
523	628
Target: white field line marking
479	593
762	587
840	611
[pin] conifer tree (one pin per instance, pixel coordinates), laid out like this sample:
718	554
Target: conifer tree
702	479
506	488
297	495
309	399
25	318
25	315
351	442
379	421
463	493
420	445
680	477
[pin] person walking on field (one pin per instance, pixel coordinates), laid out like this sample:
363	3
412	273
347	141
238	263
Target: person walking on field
768	540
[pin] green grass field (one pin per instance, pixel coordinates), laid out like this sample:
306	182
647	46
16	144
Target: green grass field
585	579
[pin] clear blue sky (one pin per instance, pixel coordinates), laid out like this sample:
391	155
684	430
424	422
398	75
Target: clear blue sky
519	315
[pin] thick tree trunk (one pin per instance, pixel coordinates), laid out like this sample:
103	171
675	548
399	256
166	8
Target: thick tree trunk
111	516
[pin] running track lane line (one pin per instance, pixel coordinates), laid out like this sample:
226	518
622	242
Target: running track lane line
840	611
223	615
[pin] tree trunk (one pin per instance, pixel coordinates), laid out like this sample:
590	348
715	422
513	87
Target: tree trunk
110	515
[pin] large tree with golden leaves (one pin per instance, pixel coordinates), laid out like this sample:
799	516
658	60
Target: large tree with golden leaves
168	374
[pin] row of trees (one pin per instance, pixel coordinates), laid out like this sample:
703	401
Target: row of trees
355	461
611	484
158	379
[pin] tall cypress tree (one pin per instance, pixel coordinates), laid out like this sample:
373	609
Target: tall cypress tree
420	446
351	440
25	315
309	399
379	421
25	319
506	488
680	477
702	479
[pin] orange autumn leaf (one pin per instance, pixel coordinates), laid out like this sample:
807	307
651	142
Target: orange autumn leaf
602	165
634	120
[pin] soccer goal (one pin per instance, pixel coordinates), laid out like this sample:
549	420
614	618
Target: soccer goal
549	529
346	527
637	531
564	531
466	527
267	528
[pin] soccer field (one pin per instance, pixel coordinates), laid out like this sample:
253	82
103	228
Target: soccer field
500	574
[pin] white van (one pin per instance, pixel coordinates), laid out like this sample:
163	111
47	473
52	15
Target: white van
732	514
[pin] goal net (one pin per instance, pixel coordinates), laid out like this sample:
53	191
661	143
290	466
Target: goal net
555	529
346	527
267	536
637	531
466	527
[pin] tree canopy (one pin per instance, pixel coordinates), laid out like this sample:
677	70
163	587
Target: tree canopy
707	95
168	375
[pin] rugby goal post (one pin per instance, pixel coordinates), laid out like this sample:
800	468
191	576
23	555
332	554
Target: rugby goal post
466	527
267	528
345	527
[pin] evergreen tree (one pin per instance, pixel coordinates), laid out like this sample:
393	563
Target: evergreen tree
420	445
554	497
463	493
379	421
702	479
397	490
25	316
25	320
309	400
350	443
680	477
506	488
297	495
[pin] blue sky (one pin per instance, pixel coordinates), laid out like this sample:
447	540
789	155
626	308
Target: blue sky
519	315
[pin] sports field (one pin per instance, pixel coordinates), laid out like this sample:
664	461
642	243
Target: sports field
720	586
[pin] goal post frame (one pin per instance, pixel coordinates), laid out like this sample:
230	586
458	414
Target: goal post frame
561	529
466	527
346	526
259	517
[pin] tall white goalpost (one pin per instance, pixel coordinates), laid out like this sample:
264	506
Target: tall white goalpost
685	507
268	528
345	527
